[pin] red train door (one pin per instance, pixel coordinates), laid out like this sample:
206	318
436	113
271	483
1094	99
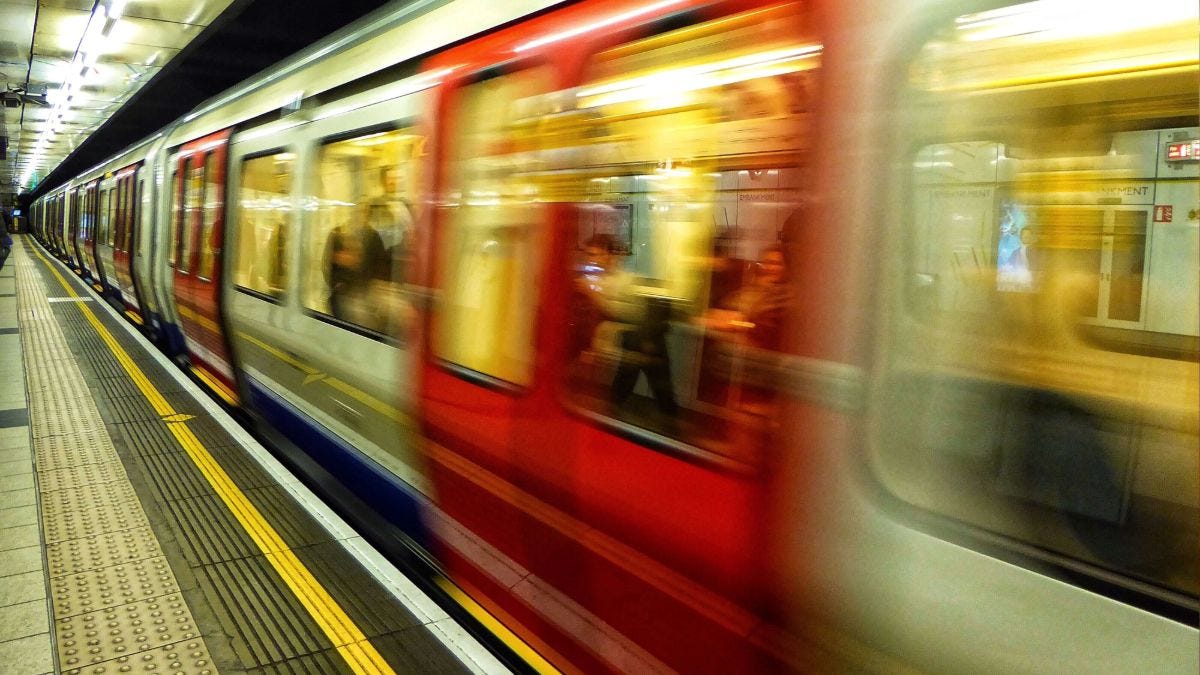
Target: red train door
199	236
123	243
628	470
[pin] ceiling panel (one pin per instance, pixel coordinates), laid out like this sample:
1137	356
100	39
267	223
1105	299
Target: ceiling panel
134	31
148	35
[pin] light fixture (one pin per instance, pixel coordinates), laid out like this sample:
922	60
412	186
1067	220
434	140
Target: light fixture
92	45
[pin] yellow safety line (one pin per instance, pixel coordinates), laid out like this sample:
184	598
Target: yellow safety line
346	636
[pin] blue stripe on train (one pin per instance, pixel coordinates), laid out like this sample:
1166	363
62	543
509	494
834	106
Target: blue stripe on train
382	491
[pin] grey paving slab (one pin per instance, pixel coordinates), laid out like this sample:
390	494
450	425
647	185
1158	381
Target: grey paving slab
16	467
14	454
33	654
23	620
14	437
20	560
13	397
19	536
21	481
13	498
19	515
24	587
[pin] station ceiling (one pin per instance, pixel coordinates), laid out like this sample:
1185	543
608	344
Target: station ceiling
143	63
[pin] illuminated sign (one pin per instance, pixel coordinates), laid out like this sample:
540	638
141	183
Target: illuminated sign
1187	151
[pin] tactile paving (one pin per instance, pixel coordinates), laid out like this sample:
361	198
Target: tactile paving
111	548
65	422
124	630
190	657
97	589
88	496
84	474
63	525
61	452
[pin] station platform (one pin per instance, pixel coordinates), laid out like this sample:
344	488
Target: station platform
143	530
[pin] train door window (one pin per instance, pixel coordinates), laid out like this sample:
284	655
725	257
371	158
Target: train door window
190	214
122	242
361	236
490	254
131	210
691	145
174	216
211	206
105	222
1040	374
119	211
264	215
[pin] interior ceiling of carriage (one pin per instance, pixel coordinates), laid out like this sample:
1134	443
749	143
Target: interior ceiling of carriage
83	79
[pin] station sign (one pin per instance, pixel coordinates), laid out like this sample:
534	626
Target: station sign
1185	151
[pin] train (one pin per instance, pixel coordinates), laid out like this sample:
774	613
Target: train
716	335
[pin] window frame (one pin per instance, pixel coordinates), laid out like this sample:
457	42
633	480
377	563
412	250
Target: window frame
312	174
642	436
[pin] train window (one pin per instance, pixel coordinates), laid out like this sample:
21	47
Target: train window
118	214
190	214
1041	375
358	247
105	223
122	212
210	212
688	180
264	216
489	261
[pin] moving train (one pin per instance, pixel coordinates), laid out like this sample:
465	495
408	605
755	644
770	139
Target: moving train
716	335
